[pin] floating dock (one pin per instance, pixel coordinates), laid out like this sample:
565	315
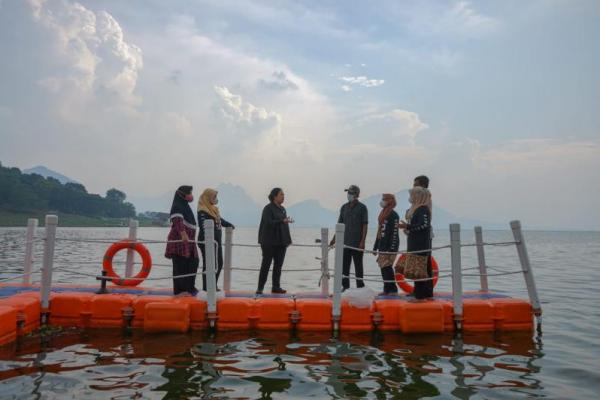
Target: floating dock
25	307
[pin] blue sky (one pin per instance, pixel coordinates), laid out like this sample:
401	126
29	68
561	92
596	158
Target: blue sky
496	101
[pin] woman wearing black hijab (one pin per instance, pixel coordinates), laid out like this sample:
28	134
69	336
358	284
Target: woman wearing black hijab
180	247
274	238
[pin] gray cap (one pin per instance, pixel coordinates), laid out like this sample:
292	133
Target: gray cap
353	189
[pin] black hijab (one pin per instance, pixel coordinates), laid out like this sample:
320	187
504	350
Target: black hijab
181	206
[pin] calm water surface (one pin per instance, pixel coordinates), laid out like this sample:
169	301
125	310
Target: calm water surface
561	363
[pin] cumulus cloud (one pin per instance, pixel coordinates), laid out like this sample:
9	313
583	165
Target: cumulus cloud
396	123
362	81
243	116
346	88
95	59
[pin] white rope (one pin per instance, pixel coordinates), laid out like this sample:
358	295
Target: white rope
286	270
391	253
394	281
305	245
11	260
489	244
244	245
20	275
108	278
112	241
496	274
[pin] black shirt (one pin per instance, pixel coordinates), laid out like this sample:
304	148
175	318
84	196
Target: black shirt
272	230
354	216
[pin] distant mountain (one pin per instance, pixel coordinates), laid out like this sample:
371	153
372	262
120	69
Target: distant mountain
240	209
237	207
48	173
441	218
160	203
310	213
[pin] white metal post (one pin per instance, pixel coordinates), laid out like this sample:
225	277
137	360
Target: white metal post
456	274
211	284
133	225
50	227
336	311
325	262
227	255
32	224
526	267
481	259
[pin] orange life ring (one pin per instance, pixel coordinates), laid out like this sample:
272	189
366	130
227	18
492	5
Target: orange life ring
126	244
407	287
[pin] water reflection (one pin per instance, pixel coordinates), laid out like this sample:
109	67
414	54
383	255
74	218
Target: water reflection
267	365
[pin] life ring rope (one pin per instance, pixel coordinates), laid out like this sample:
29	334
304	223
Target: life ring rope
107	264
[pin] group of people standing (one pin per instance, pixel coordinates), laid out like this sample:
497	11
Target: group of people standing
181	247
274	237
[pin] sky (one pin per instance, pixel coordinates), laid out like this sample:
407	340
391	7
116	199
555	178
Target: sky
498	102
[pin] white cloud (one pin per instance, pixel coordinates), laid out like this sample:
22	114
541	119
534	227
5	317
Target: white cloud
346	88
397	122
362	81
94	58
244	116
455	19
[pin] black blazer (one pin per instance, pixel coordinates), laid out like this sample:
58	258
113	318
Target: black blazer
272	230
389	240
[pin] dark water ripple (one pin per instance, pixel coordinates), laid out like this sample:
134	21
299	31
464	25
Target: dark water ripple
562	363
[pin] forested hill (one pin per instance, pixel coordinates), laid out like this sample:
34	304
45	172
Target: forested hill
32	193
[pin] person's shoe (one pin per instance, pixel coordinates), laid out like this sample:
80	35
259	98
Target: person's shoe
344	289
278	291
259	292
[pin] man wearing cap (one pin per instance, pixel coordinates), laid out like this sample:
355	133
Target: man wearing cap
354	215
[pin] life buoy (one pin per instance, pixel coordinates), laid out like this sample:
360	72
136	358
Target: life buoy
126	244
407	287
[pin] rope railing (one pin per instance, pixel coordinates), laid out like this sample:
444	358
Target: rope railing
251	245
391	253
134	241
110	278
512	243
286	270
20	275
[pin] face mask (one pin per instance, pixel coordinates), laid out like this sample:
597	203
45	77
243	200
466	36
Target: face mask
351	197
383	203
189	198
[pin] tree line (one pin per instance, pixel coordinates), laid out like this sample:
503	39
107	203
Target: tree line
32	192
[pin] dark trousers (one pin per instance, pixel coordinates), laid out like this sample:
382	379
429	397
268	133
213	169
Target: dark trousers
424	289
184	266
275	254
357	256
387	273
219	263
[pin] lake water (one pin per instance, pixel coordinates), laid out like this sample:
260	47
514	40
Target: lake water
561	363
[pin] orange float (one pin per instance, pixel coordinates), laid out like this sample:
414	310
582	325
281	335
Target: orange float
126	244
407	287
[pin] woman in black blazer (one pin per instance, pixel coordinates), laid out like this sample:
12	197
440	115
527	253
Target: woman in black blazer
274	238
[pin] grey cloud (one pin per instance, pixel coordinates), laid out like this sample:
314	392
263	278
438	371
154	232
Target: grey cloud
279	81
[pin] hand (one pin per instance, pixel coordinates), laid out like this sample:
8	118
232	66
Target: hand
184	237
361	245
402	225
